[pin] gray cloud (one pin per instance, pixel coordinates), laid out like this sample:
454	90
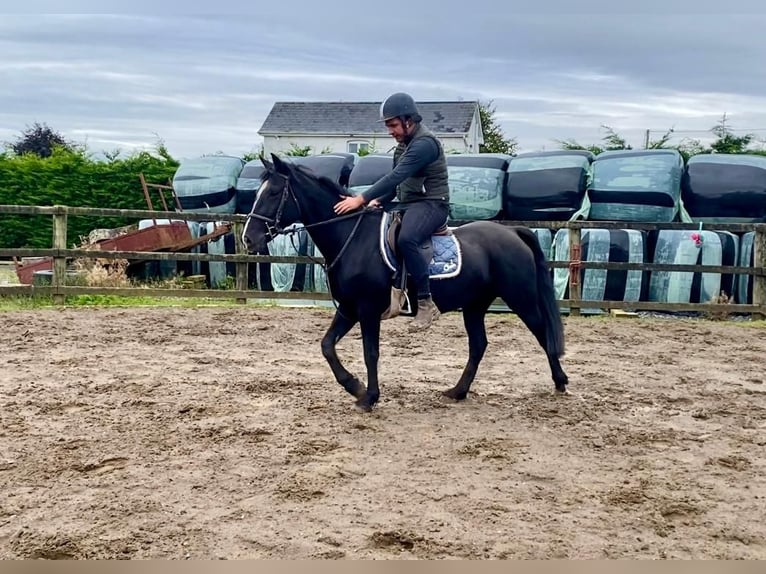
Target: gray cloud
206	84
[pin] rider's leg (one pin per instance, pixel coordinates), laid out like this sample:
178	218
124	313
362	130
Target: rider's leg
420	220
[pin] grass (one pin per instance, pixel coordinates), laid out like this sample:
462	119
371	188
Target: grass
21	302
113	273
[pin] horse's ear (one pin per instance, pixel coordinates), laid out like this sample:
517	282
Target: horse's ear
266	163
280	165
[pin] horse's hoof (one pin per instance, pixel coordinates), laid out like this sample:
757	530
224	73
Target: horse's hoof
455	395
562	392
355	388
363	405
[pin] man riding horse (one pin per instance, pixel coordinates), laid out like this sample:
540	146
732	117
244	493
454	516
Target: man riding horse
419	181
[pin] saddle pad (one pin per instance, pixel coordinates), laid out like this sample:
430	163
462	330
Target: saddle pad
447	260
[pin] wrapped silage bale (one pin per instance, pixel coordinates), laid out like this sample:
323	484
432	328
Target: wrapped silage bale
187	268
545	238
635	185
684	247
208	184
603	245
335	166
546	186
476	183
248	183
290	276
218	271
368	170
746	259
725	188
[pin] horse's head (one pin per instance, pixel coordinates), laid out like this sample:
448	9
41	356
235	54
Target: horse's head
288	193
275	206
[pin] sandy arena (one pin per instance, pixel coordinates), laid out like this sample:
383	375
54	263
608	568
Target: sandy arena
219	432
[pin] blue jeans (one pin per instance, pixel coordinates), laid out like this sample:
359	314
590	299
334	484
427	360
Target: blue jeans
419	220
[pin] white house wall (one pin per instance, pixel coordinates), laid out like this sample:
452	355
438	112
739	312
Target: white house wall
382	143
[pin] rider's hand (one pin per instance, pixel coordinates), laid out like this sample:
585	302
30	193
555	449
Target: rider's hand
349	204
374	203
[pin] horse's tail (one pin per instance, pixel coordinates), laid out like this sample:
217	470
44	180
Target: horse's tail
546	296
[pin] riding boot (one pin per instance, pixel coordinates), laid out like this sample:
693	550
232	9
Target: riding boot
395	307
427	314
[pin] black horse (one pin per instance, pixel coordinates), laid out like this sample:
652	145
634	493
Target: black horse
497	261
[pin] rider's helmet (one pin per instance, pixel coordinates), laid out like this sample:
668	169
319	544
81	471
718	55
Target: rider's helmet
399	105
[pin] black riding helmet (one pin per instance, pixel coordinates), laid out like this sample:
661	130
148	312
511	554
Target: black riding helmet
399	105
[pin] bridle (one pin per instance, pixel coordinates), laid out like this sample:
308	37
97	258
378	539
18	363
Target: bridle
274	227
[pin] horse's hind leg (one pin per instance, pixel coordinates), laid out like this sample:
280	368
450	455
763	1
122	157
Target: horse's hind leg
533	319
338	328
473	319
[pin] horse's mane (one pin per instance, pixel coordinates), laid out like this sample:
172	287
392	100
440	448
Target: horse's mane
329	185
325	182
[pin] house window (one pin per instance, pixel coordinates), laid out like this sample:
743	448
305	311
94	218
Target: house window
358	146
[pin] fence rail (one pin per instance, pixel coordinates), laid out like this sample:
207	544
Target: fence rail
60	254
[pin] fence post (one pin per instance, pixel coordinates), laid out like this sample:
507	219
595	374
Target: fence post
240	283
59	263
759	261
575	250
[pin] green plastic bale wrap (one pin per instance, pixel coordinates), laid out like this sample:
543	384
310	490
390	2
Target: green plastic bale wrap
476	183
208	184
290	276
692	248
746	259
635	185
603	245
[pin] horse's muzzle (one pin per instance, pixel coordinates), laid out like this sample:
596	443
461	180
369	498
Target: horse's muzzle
255	241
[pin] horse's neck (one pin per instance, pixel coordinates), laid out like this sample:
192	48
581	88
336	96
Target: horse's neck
331	234
327	234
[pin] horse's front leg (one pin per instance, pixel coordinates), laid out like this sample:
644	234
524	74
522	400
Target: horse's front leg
341	324
370	326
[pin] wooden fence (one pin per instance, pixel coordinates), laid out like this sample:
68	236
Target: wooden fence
60	253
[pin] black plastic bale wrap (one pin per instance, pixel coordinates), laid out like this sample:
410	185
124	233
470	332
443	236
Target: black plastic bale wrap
369	169
248	182
725	186
546	186
336	166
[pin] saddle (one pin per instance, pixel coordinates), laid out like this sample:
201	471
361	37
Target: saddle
395	226
441	251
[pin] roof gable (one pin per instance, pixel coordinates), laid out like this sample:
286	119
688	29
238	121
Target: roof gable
361	117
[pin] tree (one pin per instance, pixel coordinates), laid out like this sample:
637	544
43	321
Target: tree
727	142
298	151
662	142
40	140
494	139
612	141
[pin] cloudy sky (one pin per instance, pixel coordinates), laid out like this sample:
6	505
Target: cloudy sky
205	83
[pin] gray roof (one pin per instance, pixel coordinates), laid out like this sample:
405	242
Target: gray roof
361	117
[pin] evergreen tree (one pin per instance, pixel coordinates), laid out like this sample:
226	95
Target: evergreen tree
494	139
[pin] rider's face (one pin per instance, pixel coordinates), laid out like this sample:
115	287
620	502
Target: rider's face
397	129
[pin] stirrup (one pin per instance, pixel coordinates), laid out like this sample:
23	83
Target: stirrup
398	298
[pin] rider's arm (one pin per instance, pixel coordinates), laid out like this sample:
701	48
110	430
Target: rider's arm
418	154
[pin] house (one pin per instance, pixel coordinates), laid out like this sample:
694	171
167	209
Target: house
353	127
